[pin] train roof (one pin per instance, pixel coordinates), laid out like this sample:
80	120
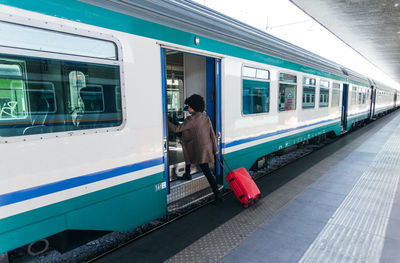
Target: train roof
195	18
223	35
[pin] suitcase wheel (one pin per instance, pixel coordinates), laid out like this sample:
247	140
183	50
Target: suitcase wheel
232	179
240	197
245	205
251	202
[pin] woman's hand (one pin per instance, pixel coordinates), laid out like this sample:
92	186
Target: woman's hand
217	152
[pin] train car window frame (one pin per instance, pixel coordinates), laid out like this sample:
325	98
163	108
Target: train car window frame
255	79
324	90
335	102
308	101
9	109
113	63
354	90
364	96
40	39
283	98
359	96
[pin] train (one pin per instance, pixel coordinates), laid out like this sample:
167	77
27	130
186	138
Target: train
87	88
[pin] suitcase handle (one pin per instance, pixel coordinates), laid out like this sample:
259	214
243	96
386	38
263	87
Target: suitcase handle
222	160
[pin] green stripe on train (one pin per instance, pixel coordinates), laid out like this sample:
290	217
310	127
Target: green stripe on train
93	15
248	156
118	208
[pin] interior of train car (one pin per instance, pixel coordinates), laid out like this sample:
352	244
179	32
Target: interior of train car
187	74
44	96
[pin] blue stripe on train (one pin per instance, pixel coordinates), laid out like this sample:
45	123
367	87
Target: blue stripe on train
26	194
234	143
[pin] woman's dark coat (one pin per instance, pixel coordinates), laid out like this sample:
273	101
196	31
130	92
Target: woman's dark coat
198	139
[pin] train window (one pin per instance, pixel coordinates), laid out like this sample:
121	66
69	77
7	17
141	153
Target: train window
360	97
255	90
335	95
287	92
45	95
256	73
363	95
13	102
308	92
324	93
25	37
249	72
262	74
354	95
39	90
255	96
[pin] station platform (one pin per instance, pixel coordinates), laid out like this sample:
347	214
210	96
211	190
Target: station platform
338	204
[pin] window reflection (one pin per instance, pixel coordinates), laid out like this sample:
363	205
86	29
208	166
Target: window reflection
335	94
44	96
255	90
308	92
324	93
287	92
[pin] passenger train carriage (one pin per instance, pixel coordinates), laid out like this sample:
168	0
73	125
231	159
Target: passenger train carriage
87	87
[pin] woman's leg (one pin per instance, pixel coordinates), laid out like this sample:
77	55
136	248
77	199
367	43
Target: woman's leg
206	171
187	175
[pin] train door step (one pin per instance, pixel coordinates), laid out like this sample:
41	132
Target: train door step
181	189
196	199
189	200
184	193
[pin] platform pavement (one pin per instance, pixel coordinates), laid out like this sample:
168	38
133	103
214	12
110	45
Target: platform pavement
350	214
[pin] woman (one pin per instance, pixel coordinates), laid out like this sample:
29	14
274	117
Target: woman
198	141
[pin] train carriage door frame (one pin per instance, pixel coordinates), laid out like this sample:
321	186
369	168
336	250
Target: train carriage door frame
214	89
372	106
212	99
219	120
345	105
164	113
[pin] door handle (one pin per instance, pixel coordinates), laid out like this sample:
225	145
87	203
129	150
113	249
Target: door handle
165	145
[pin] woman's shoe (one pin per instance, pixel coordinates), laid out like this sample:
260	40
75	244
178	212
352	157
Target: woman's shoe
187	177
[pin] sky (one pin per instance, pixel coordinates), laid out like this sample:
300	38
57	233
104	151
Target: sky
284	20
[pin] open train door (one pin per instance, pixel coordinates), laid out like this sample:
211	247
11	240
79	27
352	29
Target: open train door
345	99
185	74
218	125
372	106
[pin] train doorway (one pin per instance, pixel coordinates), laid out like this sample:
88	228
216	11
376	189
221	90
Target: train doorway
185	74
372	105
344	106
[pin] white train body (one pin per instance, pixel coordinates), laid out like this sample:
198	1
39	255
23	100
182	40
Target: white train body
115	178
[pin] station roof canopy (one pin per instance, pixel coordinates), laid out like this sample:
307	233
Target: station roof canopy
371	27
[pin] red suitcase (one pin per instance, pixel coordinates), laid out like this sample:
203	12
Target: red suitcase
243	186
